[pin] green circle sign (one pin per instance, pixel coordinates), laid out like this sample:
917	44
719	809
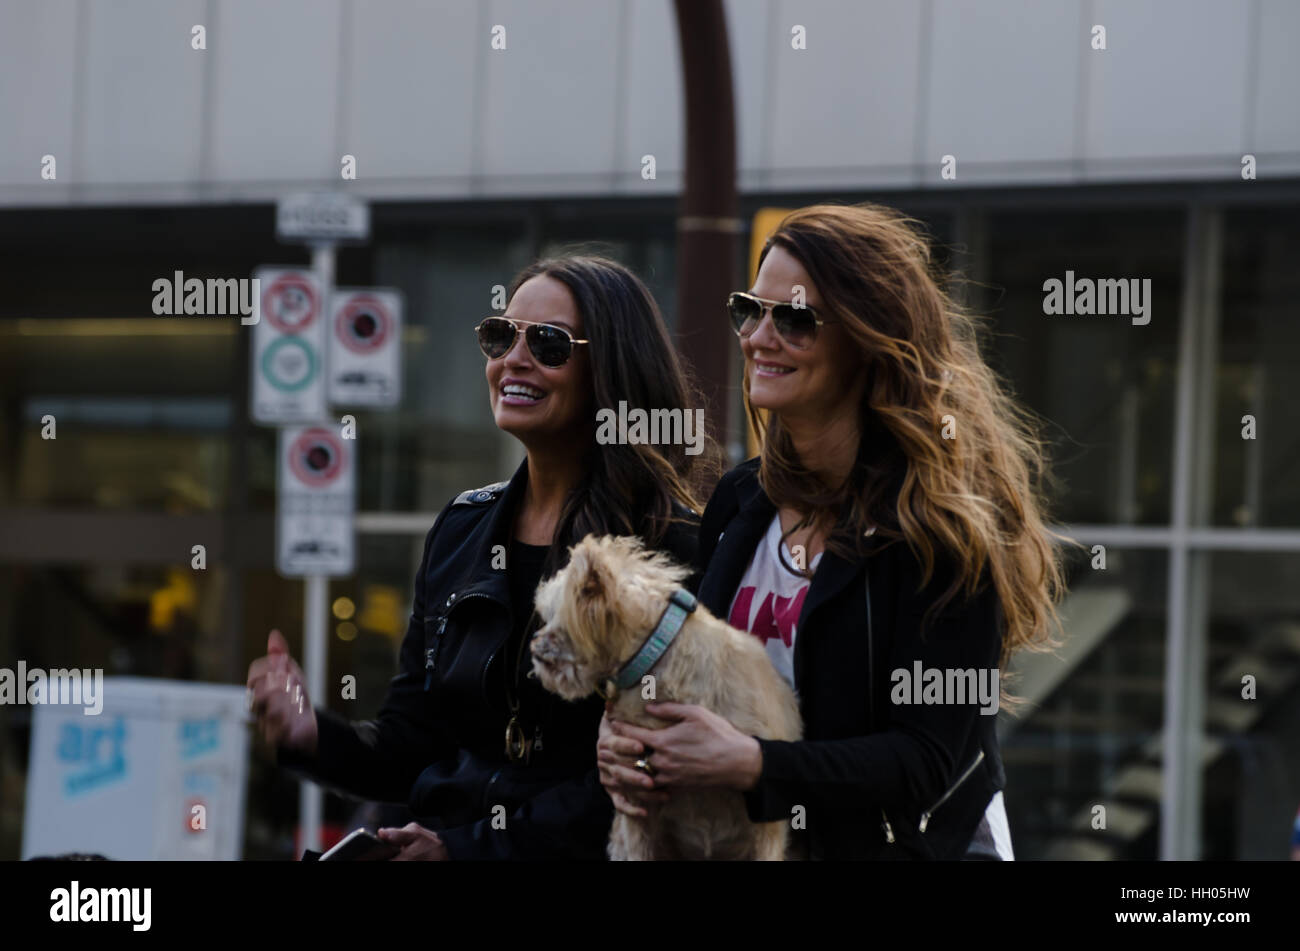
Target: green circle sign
278	364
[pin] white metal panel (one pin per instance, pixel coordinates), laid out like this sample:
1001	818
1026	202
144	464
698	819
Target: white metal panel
584	89
276	92
144	92
1277	101
652	109
747	30
1167	96
549	97
844	109
1002	90
409	97
38	49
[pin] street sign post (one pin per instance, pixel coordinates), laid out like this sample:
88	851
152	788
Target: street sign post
365	357
321	220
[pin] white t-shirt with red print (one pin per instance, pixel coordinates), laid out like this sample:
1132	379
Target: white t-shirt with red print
770	597
767	605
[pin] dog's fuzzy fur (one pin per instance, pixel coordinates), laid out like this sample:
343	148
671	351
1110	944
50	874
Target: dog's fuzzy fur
597	612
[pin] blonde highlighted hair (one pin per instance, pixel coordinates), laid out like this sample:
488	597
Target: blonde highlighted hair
973	501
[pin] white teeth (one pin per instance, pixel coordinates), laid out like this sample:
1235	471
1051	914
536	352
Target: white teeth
518	389
773	368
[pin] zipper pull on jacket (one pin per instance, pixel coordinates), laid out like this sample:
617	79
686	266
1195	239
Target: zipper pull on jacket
431	655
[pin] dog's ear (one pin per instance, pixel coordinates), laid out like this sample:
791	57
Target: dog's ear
586	561
593	585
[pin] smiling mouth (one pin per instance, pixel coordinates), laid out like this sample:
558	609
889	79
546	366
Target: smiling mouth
517	394
772	369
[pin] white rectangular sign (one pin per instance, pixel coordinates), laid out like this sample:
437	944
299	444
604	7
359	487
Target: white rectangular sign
321	216
316	501
365	351
159	773
288	349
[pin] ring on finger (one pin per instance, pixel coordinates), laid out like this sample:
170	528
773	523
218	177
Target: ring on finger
643	764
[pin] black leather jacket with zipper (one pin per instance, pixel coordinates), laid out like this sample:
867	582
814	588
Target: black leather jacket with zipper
875	779
438	742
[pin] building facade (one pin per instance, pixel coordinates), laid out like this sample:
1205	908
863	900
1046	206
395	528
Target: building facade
486	134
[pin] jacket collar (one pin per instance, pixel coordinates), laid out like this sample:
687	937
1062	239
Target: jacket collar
495	528
736	546
742	537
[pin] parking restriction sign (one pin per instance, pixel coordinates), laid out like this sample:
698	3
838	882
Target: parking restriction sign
365	366
288	349
317	491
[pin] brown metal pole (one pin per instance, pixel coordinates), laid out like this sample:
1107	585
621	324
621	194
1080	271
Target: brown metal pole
707	224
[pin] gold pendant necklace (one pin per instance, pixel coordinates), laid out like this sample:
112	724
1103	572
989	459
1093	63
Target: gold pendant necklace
516	742
518	746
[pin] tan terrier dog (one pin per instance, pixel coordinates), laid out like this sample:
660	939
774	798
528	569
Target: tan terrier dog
599	611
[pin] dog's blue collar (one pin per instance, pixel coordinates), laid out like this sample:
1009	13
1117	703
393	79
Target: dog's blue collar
681	603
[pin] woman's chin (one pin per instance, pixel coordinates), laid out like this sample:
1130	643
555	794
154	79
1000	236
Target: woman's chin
518	421
767	395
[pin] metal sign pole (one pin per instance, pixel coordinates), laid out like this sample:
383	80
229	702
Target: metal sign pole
315	597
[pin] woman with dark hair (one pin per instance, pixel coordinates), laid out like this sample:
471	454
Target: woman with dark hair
888	546
491	764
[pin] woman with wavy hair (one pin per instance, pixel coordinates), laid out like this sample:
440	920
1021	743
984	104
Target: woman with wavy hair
888	546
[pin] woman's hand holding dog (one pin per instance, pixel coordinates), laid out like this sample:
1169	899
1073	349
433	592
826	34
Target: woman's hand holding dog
699	749
629	788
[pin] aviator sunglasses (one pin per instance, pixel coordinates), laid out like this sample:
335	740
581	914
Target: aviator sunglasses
550	345
796	325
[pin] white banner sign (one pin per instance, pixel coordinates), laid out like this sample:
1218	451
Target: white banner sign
159	773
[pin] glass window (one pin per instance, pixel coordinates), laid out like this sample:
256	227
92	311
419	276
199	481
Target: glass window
1257	480
1250	781
1089	732
115	447
649	248
1104	384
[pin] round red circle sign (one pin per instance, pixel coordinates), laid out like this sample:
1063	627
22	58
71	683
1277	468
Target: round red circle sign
363	324
316	457
290	303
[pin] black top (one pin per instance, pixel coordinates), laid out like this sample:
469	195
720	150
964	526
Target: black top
865	762
523	574
439	739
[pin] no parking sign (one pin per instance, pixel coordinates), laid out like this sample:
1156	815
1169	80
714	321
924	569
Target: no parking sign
288	349
365	367
317	489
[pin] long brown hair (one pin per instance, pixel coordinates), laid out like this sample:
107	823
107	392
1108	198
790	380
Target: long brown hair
629	489
973	501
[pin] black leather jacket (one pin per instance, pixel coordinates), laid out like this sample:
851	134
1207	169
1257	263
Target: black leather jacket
439	740
869	774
